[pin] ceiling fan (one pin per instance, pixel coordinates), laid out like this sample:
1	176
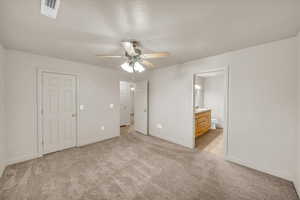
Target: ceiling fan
135	59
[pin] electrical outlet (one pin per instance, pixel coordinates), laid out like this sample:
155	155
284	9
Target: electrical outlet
102	128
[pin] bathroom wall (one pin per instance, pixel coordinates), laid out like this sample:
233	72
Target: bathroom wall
214	88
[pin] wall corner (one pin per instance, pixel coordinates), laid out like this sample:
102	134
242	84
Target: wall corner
297	172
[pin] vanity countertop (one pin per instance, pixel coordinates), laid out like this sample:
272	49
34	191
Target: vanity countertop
200	110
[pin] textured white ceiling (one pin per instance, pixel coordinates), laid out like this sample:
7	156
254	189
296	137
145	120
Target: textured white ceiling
187	29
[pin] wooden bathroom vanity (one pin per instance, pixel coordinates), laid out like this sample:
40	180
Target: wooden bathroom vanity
202	122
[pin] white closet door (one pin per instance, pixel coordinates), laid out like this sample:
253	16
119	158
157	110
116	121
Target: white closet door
141	107
59	111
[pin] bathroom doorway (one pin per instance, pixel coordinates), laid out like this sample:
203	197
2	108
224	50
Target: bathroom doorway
210	111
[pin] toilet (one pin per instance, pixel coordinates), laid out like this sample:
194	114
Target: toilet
214	123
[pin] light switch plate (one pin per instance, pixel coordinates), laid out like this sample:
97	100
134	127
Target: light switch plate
102	128
81	107
111	106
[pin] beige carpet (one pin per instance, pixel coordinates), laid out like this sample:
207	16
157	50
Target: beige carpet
136	167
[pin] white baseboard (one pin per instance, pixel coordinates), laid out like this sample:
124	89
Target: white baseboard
22	158
170	140
280	174
87	142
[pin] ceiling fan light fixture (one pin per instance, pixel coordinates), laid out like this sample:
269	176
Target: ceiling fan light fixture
138	67
135	58
126	67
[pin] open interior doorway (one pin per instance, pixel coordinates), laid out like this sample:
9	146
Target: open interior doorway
127	90
210	111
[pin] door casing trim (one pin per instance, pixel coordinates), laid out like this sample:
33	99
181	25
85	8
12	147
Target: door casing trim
226	130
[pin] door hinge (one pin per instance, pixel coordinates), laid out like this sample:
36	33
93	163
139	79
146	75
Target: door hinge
42	111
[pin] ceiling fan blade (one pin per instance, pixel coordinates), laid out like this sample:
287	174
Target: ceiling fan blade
129	48
155	55
107	56
147	63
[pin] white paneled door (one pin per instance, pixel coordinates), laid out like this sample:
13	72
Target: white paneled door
58	111
141	107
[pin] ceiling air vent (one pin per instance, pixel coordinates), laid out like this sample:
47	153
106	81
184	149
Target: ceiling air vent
49	8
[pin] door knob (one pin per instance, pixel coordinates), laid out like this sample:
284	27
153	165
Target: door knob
74	115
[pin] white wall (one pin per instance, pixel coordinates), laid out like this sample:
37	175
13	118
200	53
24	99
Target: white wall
2	114
297	179
262	105
214	88
98	88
